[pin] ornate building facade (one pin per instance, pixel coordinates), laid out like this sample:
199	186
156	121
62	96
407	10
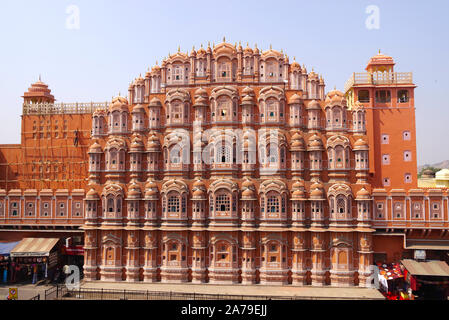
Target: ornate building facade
227	165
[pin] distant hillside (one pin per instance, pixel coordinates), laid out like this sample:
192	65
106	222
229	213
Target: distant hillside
442	165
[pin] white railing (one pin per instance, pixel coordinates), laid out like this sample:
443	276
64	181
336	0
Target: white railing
379	78
63	108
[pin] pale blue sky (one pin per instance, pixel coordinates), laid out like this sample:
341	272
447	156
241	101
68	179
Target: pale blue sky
118	40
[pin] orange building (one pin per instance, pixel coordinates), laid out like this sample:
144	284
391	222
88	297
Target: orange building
227	165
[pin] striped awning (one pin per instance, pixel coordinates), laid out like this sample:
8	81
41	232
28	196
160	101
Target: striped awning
34	247
426	268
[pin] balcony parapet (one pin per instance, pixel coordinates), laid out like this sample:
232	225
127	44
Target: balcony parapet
378	78
63	108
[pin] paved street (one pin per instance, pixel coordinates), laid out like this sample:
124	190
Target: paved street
238	289
26	291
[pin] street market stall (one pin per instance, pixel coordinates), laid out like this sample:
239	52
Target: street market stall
428	280
391	281
34	259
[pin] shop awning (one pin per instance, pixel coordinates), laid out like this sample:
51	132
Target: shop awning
426	268
6	247
426	244
34	247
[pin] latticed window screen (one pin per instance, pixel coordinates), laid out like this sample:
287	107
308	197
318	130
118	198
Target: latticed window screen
341	205
273	204
173	204
222	203
224	155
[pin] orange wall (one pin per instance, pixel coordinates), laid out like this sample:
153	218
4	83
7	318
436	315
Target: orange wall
392	119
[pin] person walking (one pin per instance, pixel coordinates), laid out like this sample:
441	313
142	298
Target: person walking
34	274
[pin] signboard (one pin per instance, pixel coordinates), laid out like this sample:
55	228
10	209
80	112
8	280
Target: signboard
13	294
420	254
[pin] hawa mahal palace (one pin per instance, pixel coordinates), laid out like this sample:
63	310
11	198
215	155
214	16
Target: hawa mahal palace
227	165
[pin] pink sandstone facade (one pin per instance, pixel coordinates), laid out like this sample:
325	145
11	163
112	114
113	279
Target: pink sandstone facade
227	165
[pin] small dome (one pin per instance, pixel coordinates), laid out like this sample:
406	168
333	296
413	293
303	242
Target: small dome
92	195
360	145
380	62
248	91
313	105
315	142
201	51
201	101
140	81
150	185
298	194
313	76
363	194
153	142
296	136
134	191
442	175
248	194
295	65
316	185
95	148
119	103
155	102
247	100
198	193
299	184
297	142
156	69
294	99
138	108
248	50
39	90
316	193
151	189
199	184
247	184
200	92
136	143
428	174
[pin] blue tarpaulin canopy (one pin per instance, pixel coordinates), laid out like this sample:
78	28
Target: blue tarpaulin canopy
6	247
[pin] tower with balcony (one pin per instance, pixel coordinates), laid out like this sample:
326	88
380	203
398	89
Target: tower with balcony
388	100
